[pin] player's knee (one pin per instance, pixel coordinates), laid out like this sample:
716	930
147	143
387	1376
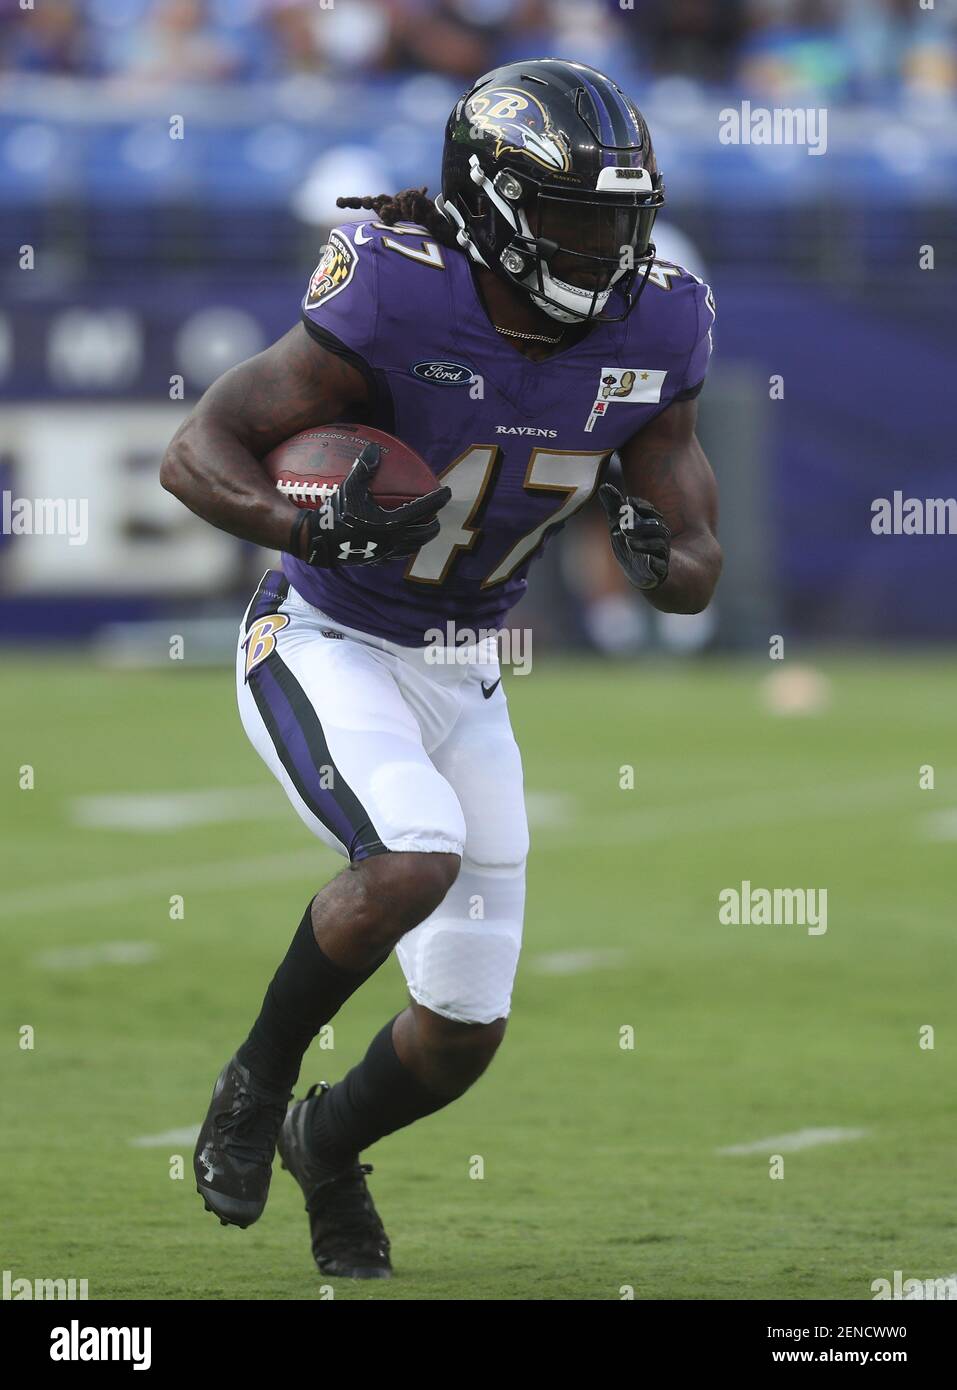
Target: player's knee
461	1057
471	1045
455	1054
417	883
402	889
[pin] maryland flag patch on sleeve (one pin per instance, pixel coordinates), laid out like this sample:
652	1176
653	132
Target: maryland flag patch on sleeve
333	272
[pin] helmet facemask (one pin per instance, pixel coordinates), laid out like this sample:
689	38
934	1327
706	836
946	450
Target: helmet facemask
568	248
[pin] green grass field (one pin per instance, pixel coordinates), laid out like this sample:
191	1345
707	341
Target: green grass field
601	1164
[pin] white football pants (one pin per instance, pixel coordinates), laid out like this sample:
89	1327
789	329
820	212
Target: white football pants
380	750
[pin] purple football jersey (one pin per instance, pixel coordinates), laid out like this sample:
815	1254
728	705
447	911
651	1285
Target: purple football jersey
521	444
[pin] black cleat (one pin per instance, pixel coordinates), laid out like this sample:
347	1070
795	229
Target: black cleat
348	1238
235	1148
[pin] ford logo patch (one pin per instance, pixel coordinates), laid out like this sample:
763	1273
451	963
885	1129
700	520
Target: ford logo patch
444	373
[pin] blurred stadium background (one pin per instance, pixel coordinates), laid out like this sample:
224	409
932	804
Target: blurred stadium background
157	259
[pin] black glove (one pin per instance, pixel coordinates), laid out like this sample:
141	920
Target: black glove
352	529
640	537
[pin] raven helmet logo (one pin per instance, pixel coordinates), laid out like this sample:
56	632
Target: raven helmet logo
521	124
334	271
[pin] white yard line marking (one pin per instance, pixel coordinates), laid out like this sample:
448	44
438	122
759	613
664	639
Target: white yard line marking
224	874
546	808
187	1135
792	1143
722	813
574	962
549	808
942	825
147	812
104	953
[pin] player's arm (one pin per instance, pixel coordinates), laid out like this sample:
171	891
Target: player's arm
664	531
212	463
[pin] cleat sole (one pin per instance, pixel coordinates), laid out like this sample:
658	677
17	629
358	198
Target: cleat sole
225	1220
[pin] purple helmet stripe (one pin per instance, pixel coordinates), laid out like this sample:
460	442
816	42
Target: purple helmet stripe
605	129
635	157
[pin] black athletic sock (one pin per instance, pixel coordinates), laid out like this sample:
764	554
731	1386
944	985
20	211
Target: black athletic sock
306	991
378	1096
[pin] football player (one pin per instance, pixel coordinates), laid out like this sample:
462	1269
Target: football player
516	332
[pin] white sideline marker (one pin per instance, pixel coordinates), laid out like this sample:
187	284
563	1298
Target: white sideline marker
146	812
187	1135
942	825
549	808
225	875
792	1143
546	809
104	953
575	962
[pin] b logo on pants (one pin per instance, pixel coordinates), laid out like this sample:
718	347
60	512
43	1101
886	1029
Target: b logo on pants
260	640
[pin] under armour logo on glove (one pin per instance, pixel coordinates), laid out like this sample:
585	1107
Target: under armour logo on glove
640	537
365	552
352	529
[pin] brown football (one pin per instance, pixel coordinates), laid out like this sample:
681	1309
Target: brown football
310	466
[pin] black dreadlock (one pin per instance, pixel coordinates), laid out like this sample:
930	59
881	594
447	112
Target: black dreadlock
411	205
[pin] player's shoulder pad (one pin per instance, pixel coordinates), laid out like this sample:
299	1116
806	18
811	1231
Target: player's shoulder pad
683	305
672	325
365	251
337	268
685	287
669	276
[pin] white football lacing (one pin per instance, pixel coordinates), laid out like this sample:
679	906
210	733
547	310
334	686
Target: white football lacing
301	491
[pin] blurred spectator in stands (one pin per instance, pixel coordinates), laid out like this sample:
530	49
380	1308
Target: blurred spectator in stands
294	31
847	49
178	43
774	49
456	37
52	38
795	48
929	66
583	29
694	38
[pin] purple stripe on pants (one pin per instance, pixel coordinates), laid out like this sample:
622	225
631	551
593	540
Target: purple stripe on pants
320	800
